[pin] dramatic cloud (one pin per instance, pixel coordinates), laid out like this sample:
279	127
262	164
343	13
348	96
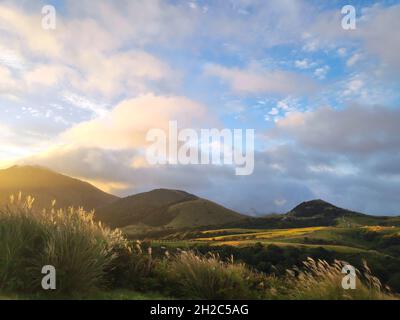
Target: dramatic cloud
348	155
80	99
114	171
375	30
355	130
334	160
111	147
81	54
126	125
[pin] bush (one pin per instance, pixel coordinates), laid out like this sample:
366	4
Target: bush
135	268
207	277
80	249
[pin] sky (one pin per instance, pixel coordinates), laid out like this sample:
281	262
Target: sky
323	101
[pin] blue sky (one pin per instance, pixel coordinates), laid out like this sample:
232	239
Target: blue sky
324	101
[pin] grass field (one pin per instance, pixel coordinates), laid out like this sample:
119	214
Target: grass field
339	239
263	234
94	262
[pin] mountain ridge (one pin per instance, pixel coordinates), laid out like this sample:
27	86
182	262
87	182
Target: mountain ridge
165	207
319	207
46	185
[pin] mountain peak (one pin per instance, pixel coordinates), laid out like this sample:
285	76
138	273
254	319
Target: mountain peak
318	202
28	167
164	196
318	207
164	190
165	208
46	185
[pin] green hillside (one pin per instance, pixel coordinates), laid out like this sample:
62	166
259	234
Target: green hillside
45	186
165	208
173	220
315	213
200	212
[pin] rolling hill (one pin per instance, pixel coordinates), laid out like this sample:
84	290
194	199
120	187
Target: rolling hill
312	214
165	208
320	208
46	185
324	213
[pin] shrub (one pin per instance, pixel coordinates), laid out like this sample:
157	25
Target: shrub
207	277
80	249
135	268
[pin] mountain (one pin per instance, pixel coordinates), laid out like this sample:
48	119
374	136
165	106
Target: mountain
165	208
319	212
46	185
311	214
320	208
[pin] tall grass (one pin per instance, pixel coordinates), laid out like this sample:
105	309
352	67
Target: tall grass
135	268
80	249
207	277
319	280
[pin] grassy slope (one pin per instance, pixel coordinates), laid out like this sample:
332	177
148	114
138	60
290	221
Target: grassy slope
200	212
46	186
165	208
341	230
331	238
367	220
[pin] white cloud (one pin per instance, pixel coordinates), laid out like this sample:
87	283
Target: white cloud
353	59
99	55
81	53
81	102
321	73
353	86
11	59
115	74
274	112
255	79
304	64
28	34
376	32
311	45
353	130
126	125
44	76
7	82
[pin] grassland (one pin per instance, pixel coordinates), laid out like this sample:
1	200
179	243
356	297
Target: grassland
276	250
95	262
340	239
